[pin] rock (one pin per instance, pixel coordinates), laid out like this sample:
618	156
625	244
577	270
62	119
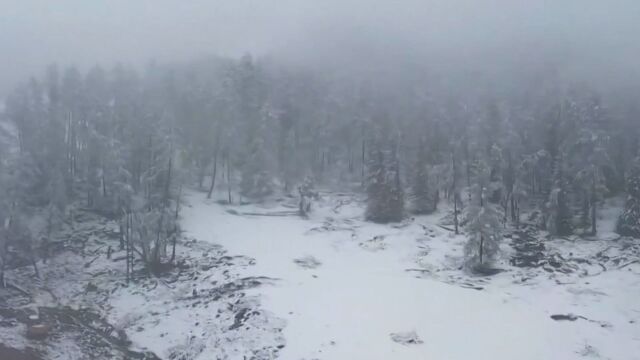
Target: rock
482	269
38	331
561	317
307	262
406	338
91	287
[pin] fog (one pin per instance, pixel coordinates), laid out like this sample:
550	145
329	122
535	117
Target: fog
319	179
596	40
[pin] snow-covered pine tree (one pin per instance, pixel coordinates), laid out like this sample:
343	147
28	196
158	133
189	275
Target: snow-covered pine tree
385	197
559	216
256	179
629	221
424	199
587	155
396	201
55	211
377	188
484	227
256	182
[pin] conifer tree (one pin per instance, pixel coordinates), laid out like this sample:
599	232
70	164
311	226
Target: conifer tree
629	221
483	227
424	199
559	216
385	197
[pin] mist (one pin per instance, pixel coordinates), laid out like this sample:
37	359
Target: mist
595	40
327	179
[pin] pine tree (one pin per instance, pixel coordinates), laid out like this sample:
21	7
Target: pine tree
483	227
256	182
587	155
396	200
377	190
629	221
559	216
385	197
423	197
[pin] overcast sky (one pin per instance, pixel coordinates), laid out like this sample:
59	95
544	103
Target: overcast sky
588	34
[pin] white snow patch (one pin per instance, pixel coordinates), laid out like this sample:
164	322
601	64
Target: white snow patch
348	307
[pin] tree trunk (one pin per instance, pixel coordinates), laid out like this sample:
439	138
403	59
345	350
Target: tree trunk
533	182
127	244
200	178
167	186
586	208
481	248
455	193
594	228
35	266
228	177
455	213
3	284
467	163
214	173
104	185
481	236
350	154
175	229
363	163
121	235
517	207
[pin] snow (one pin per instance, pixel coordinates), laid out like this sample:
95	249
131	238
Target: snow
269	284
360	292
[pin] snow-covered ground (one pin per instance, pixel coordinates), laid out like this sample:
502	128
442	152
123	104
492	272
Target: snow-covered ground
346	288
259	282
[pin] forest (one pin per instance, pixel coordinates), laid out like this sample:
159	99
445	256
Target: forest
124	144
319	180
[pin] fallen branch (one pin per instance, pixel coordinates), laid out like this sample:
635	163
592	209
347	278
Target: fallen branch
446	228
629	263
418	270
573	317
119	258
18	288
166	284
86	265
279	213
604	268
601	252
569	317
340	204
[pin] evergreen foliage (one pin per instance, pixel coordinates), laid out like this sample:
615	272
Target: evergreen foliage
385	197
629	221
122	143
423	196
483	222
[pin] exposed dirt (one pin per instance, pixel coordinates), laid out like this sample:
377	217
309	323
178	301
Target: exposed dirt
85	272
15	354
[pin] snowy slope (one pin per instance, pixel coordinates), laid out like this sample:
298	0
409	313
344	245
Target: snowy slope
350	290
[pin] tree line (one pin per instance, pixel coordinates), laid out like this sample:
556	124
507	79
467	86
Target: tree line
124	143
